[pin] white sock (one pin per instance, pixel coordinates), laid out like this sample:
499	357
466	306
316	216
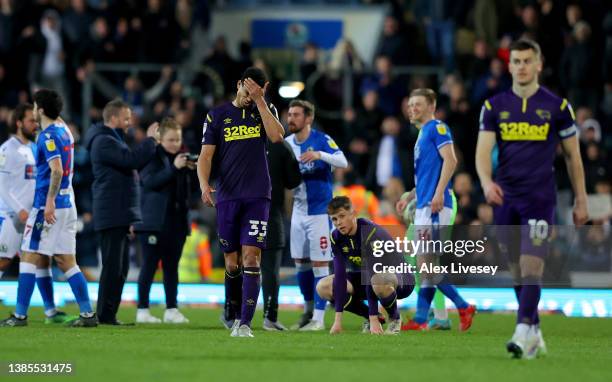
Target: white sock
50	312
318	315
522	329
1	273
72	271
440	314
27	268
43	272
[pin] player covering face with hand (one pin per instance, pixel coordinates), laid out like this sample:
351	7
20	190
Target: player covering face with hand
234	138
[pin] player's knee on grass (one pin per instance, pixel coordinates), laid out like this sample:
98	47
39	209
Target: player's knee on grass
325	287
383	284
531	266
65	262
251	256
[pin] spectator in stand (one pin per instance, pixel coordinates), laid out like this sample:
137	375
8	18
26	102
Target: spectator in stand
394	43
390	90
310	61
580	69
389	158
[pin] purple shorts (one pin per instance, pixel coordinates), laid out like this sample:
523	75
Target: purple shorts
243	222
524	227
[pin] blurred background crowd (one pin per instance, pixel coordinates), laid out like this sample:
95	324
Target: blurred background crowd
60	44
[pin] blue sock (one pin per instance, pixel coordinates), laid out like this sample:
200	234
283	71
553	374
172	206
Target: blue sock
25	288
305	278
426	295
78	284
44	281
450	291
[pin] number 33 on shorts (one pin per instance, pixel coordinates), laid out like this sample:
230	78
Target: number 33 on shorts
259	228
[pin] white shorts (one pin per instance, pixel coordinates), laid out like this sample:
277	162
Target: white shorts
10	239
51	239
424	226
310	237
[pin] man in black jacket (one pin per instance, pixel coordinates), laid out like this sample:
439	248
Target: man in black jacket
116	205
284	174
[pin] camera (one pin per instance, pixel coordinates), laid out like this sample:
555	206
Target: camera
192	157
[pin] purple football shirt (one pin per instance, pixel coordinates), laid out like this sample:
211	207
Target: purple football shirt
528	131
240	163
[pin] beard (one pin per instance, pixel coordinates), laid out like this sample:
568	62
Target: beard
295	129
30	136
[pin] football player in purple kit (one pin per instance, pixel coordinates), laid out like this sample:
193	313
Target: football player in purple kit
234	140
527	122
354	245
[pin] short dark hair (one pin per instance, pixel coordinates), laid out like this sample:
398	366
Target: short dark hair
19	114
338	203
429	94
256	75
50	101
309	108
526	44
113	108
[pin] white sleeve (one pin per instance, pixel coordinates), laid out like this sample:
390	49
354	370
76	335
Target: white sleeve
336	159
7	172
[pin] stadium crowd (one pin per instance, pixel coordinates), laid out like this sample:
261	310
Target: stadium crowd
58	43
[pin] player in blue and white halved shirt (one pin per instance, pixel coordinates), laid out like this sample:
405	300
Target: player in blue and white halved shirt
318	154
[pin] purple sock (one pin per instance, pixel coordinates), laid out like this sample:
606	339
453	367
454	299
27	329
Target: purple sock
528	303
517	292
390	305
233	294
536	317
250	293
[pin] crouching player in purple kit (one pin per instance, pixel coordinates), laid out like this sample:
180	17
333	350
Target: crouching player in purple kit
527	122
233	135
351	239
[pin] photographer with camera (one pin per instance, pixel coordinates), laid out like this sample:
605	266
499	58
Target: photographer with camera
165	225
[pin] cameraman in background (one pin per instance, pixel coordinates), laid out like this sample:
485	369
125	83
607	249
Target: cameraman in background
165	225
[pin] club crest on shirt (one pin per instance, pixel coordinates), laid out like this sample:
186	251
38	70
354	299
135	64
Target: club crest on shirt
441	129
543	114
504	115
2	160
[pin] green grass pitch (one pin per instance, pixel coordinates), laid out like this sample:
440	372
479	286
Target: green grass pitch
580	350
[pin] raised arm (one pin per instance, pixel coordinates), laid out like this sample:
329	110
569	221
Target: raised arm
274	130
